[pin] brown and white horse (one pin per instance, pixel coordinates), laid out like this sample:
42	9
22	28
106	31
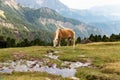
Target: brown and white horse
64	33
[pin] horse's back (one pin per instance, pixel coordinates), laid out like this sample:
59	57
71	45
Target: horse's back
66	33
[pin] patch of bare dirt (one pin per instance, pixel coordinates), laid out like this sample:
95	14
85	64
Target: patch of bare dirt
19	55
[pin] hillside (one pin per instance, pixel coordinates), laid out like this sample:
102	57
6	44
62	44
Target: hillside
51	20
15	24
22	22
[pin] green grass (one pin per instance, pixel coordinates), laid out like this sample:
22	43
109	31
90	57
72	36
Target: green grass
30	76
31	52
105	58
95	74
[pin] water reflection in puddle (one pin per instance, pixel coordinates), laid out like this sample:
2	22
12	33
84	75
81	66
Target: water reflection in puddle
34	66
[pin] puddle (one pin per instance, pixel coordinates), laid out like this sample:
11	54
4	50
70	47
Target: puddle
34	66
39	66
78	64
75	65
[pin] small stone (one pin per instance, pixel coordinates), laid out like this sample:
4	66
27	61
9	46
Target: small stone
50	64
56	52
49	51
75	78
33	65
47	79
1	67
82	56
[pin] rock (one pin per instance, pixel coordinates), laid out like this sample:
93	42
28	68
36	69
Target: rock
47	79
83	56
33	65
66	64
75	78
1	66
33	59
49	51
50	64
50	55
56	51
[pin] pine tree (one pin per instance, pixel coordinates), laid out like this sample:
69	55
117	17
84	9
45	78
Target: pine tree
92	38
78	40
1	38
99	38
113	37
105	38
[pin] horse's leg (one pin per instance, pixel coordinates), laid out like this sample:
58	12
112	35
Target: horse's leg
59	43
73	42
68	42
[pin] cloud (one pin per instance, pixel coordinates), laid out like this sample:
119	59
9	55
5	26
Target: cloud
86	4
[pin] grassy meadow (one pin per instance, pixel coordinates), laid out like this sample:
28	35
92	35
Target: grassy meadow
104	58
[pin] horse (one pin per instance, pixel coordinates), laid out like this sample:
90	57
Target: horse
64	33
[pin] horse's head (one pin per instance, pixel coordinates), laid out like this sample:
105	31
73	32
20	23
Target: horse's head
55	42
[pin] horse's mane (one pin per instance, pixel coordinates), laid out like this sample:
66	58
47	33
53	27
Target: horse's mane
65	28
61	27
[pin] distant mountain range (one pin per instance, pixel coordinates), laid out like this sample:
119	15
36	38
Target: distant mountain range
82	15
99	17
108	27
22	22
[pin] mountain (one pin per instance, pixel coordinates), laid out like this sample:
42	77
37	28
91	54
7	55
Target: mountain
99	17
82	15
109	10
22	22
109	27
113	13
47	17
53	4
13	23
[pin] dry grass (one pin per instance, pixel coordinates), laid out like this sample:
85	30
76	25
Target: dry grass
112	68
31	76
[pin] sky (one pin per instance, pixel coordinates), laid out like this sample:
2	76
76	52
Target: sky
87	4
